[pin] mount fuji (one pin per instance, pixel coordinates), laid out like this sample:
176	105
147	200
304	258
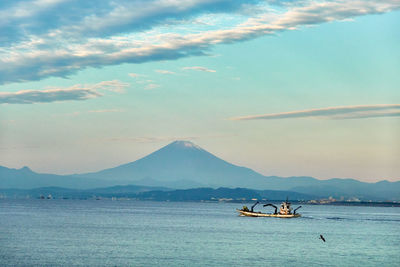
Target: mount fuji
181	164
184	165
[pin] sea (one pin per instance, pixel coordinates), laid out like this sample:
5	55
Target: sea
56	232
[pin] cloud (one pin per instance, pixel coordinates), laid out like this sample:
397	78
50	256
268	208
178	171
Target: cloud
151	86
76	92
69	114
99	18
105	111
92	35
46	96
198	69
113	86
144	139
165	72
156	139
147	83
134	75
346	112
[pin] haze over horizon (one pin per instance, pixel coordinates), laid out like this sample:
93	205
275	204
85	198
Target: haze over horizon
286	88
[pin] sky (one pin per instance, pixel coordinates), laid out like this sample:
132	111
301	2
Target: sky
287	88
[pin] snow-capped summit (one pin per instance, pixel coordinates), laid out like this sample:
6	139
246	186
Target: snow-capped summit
187	144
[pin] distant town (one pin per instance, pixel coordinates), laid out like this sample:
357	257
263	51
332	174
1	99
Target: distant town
225	195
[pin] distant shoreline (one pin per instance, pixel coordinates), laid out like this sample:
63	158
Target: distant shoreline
334	203
228	195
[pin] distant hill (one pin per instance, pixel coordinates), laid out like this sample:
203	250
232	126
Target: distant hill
156	194
184	165
60	192
25	178
242	194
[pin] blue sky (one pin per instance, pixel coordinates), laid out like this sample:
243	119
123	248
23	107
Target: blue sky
283	87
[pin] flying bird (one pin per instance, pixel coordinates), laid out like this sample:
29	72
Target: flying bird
322	237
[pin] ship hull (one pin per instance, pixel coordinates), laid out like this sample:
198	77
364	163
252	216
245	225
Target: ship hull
260	214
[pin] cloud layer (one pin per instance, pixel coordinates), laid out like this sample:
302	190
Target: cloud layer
100	18
347	112
198	68
45	38
76	92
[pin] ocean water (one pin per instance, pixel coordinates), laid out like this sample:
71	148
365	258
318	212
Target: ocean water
135	233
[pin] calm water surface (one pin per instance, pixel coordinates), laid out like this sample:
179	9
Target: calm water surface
134	233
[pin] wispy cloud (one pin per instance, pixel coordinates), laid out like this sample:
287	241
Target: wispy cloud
46	96
165	72
147	84
346	112
151	86
143	139
45	38
156	139
134	75
113	86
199	69
105	110
69	114
76	92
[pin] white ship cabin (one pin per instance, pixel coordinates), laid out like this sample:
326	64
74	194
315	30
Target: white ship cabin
285	208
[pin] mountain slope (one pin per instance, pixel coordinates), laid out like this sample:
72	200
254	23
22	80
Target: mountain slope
182	161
